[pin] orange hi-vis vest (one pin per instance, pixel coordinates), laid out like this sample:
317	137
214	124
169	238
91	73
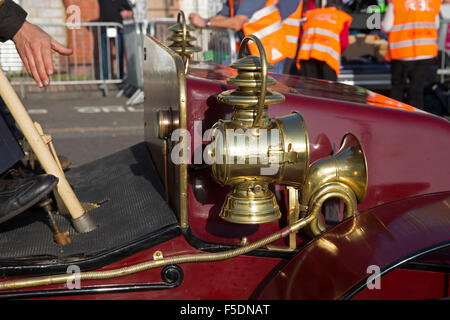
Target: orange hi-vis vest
292	26
414	33
321	36
266	24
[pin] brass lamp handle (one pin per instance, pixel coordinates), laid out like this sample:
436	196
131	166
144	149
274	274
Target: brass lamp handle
264	68
181	18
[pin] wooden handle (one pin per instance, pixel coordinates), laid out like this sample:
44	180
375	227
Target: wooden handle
38	146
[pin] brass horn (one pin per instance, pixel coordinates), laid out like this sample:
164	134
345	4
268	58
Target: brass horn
342	175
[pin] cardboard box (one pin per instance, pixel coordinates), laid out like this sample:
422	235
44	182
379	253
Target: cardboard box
365	45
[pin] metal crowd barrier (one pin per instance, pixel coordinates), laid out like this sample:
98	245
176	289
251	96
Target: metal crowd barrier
134	79
94	63
87	63
444	49
218	44
91	62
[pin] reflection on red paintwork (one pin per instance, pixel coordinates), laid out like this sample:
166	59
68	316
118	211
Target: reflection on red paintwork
396	151
379	100
306	87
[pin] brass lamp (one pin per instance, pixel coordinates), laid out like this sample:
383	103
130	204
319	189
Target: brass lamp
182	39
252	150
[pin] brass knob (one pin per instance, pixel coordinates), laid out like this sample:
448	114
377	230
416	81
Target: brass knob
182	39
251	98
168	121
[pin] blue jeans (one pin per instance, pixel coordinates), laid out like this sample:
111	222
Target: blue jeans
10	150
279	66
107	55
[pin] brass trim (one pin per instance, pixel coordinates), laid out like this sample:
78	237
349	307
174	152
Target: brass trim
166	169
158	255
293	216
2	2
264	72
182	204
201	257
182	40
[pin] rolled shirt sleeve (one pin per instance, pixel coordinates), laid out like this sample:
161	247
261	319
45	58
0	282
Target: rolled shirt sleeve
249	7
225	10
126	5
246	8
12	17
388	20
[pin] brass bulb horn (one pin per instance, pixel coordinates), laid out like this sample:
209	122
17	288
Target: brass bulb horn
343	176
182	39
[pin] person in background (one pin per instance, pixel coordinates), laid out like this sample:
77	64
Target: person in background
324	38
113	11
444	27
412	28
291	12
35	48
258	17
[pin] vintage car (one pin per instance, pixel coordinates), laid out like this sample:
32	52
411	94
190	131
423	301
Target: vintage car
309	190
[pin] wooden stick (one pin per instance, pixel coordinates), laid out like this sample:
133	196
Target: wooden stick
41	150
48	141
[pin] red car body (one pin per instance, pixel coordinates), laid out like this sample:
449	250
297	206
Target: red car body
403	228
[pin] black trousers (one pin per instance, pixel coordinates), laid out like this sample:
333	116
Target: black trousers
313	68
10	150
408	80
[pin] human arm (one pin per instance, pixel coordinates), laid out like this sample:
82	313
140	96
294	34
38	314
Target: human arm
32	43
126	10
35	48
225	19
344	36
219	21
12	17
126	14
388	20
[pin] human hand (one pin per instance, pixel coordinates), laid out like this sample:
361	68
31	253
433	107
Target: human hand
35	48
126	14
197	20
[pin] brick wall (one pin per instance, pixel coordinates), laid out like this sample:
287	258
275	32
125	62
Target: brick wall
47	11
84	39
163	8
205	8
170	8
43	12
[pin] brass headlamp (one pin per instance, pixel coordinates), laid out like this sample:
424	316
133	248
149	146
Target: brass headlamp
252	150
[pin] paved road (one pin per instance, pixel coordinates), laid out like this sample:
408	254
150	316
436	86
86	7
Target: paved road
88	128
